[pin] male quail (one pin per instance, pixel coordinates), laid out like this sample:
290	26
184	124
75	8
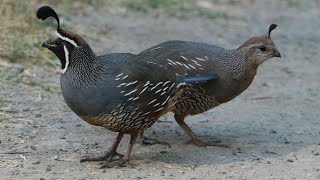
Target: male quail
232	72
118	91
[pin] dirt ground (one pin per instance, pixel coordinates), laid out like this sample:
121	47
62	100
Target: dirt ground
273	128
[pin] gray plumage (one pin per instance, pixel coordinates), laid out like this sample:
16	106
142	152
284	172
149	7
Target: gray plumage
127	93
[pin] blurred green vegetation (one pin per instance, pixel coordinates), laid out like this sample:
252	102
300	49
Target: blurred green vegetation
178	8
303	5
21	33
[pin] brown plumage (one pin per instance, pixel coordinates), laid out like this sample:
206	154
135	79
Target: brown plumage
233	71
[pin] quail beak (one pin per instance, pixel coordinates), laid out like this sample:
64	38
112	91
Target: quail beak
45	44
276	53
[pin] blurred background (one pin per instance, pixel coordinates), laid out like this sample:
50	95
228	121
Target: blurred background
273	127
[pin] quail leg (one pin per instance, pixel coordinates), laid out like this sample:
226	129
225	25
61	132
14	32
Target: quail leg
111	154
121	162
146	140
194	138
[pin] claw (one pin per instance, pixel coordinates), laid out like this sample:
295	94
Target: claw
107	157
111	164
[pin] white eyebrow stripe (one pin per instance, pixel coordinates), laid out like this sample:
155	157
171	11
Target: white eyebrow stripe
66	54
66	39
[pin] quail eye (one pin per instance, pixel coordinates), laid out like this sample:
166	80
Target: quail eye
58	43
263	48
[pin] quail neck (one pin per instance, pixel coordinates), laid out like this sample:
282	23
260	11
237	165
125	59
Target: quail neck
78	61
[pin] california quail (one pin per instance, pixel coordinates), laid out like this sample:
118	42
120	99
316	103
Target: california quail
127	93
231	71
118	91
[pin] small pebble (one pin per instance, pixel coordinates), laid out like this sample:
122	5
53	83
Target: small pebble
162	172
49	168
36	163
290	160
273	131
268	162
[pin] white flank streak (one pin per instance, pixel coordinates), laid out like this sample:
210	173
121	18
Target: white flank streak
206	57
122	84
146	84
159	109
131	83
165	101
156	105
201	68
163	93
184	58
192	66
164	88
135	98
130	92
145	113
179	63
119	75
125	76
158	91
166	83
186	66
156	86
128	84
143	90
196	63
151	62
200	59
66	54
130	99
117	79
151	50
66	39
181	84
170	64
171	61
122	92
152	101
171	86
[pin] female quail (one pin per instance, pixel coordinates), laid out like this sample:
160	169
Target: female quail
231	71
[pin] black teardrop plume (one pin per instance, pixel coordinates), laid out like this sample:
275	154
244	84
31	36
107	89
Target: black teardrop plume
46	11
272	27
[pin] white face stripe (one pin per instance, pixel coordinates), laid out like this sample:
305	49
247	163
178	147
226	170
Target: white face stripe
66	53
66	39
